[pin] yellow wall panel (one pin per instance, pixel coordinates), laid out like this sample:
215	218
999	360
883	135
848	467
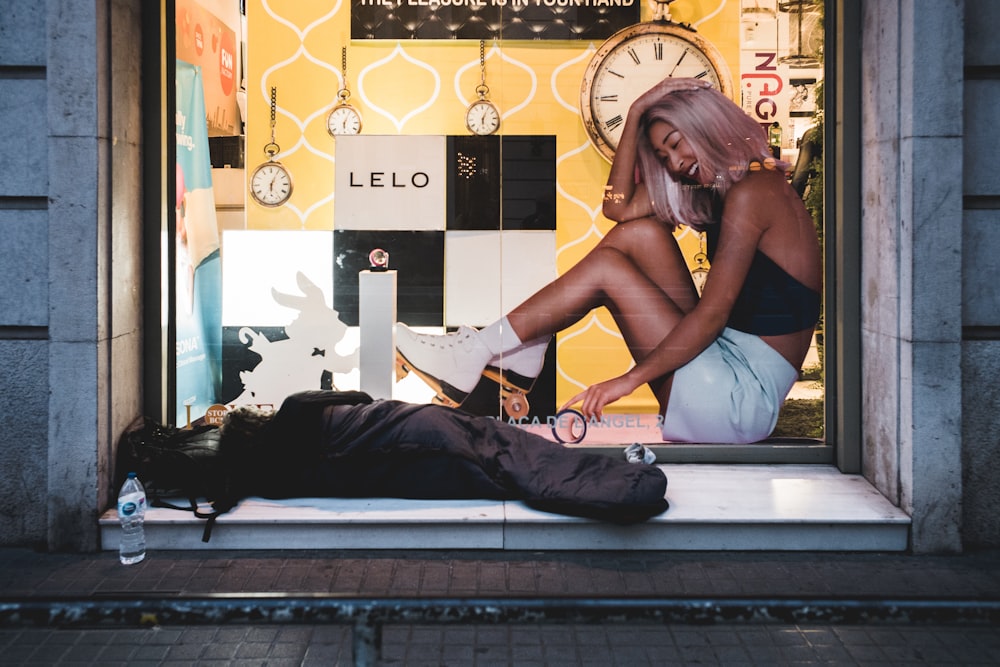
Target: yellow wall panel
423	87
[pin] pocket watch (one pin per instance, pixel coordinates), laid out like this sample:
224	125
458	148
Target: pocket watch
632	61
482	117
271	183
343	118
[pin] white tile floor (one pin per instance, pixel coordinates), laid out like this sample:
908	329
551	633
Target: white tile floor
712	507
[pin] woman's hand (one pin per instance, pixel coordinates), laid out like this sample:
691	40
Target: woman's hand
595	397
664	88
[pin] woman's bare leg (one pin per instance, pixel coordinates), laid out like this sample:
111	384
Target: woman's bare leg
637	271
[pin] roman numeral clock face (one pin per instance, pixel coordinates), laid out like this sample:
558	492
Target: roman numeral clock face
631	62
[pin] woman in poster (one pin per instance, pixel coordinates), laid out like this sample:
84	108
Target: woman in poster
720	364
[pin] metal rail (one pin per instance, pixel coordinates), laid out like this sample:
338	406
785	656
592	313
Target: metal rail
367	616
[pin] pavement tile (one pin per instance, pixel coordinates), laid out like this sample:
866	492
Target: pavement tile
286	651
327	653
151	652
185	652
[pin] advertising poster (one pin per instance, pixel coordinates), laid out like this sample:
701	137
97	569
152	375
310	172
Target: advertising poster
207	39
476	221
199	280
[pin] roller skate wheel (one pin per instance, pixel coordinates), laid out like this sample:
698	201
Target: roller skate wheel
516	405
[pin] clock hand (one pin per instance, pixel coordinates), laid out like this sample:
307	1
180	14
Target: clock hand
678	63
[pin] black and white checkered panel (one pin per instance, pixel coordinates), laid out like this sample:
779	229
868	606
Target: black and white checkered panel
465	253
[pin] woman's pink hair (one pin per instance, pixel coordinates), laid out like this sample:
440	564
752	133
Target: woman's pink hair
724	139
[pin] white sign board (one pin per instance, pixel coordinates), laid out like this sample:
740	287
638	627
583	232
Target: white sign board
389	182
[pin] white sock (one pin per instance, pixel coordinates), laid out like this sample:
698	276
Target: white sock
499	337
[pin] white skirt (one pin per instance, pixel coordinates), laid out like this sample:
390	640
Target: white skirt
730	393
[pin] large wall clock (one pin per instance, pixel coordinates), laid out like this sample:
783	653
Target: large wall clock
631	61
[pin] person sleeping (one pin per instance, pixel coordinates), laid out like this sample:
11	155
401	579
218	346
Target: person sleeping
323	443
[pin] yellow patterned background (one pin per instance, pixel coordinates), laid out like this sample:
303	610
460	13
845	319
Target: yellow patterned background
424	87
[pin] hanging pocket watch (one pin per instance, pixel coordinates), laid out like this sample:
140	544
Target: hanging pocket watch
699	274
271	182
343	118
482	117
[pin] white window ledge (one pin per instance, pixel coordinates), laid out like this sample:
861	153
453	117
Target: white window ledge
712	507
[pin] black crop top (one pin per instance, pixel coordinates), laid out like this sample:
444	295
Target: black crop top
771	302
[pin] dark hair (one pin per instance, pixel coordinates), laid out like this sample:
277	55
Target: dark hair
242	426
244	447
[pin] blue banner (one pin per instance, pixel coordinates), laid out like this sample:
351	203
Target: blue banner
198	269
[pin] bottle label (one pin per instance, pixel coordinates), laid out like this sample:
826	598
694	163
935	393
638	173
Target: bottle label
130	504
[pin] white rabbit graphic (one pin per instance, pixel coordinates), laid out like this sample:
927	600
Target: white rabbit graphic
297	363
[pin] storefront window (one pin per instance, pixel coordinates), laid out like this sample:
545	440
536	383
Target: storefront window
338	129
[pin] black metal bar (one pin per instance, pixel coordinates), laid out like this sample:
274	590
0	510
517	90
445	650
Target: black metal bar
327	609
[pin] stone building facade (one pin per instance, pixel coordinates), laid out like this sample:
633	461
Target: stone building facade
917	329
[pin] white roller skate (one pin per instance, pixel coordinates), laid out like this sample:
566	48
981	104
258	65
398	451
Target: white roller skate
452	364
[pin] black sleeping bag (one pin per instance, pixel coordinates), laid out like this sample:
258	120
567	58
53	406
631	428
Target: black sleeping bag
344	444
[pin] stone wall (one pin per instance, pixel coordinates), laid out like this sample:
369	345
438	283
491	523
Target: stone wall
911	263
70	237
24	316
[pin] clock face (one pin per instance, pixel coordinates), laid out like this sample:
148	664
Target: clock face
343	119
631	62
482	117
271	184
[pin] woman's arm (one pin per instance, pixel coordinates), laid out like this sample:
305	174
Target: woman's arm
624	198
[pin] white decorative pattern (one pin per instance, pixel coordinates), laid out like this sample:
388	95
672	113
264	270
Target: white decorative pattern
495	51
709	16
584	56
592	212
400	52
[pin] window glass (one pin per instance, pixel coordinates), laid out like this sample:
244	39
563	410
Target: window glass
333	130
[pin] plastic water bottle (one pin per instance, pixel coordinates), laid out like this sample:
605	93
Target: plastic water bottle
131	514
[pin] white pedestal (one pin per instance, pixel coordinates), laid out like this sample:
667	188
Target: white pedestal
377	315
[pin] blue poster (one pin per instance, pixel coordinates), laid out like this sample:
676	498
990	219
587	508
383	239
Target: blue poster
198	269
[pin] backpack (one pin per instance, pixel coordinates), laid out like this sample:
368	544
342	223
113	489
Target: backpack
176	463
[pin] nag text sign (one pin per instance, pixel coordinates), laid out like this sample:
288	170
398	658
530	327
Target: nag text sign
390	182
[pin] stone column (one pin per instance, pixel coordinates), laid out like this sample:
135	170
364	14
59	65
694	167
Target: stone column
911	262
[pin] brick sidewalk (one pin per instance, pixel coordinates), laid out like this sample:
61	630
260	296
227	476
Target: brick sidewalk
863	576
516	646
503	573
